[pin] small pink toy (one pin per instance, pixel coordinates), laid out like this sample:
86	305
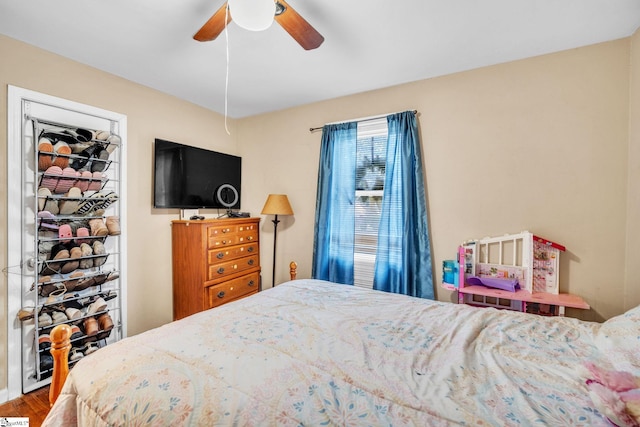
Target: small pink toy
615	394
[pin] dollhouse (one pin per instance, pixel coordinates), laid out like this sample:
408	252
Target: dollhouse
529	261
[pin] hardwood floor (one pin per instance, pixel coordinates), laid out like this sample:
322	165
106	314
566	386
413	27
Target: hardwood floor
34	405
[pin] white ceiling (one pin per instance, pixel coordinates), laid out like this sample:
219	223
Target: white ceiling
368	44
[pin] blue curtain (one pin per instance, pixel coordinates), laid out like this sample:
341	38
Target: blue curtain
403	260
334	234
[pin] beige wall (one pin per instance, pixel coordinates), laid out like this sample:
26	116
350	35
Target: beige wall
539	144
150	114
632	283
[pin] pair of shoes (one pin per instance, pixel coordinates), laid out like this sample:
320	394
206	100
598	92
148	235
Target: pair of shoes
46	202
59	252
47	220
57	295
88	260
66	181
103	135
87	252
113	225
101	160
108	296
74	278
97	306
82	232
59	317
76	332
105	322
93	158
64	233
44	342
85	283
46	362
62	151
84	180
98	227
52	142
98	249
73	313
90	325
50	177
113	142
92	347
96	181
108	199
69	298
63	259
97	203
74	259
75	354
47	287
80	135
45	154
44	319
59	255
114	275
69	203
25	313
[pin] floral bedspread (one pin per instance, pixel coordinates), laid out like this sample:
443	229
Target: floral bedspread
313	353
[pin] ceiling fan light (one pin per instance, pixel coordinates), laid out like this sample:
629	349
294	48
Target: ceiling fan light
253	15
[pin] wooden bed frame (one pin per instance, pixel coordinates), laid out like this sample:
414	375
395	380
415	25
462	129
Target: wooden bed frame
61	345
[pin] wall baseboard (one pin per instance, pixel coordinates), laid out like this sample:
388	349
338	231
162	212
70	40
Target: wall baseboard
4	396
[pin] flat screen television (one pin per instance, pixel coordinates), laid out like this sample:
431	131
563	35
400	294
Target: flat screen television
187	177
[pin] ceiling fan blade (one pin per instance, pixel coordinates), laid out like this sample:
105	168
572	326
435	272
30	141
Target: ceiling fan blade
214	26
297	26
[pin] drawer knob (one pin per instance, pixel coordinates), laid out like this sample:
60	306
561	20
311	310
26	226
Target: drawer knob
251	283
250	249
220	255
250	238
250	262
220	270
221	294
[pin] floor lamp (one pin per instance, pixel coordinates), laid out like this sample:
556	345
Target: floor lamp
276	204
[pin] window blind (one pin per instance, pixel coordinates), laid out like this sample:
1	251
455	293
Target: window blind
370	172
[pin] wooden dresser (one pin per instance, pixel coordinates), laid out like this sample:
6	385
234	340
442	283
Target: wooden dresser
215	261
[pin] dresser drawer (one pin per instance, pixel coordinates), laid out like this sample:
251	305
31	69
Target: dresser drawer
221	235
233	289
248	227
216	256
247	236
219	238
234	266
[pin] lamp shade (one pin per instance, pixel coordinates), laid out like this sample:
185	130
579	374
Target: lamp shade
277	204
253	15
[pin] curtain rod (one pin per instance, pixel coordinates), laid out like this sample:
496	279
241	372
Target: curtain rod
361	119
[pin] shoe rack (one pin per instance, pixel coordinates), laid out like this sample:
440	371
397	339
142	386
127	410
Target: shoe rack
72	239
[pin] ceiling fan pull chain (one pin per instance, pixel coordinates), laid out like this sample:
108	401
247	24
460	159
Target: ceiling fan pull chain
226	83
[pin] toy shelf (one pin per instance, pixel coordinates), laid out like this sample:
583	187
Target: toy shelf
558	300
532	260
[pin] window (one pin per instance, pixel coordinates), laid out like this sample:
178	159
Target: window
371	151
371	203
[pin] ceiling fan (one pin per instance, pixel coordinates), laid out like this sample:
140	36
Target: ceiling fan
285	15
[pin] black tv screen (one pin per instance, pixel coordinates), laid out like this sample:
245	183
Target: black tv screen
187	177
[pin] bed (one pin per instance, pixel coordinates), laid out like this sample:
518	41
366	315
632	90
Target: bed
315	353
